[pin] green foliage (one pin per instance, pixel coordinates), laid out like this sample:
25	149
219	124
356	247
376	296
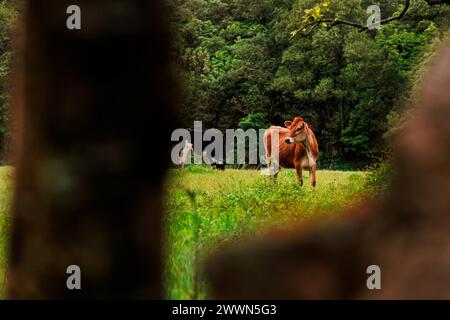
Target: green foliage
256	120
407	46
380	176
239	62
198	169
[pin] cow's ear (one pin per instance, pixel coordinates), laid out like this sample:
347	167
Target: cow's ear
288	123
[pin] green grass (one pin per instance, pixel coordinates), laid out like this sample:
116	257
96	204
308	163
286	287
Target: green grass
5	192
207	208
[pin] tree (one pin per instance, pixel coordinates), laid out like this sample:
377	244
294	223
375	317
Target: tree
319	16
239	59
88	189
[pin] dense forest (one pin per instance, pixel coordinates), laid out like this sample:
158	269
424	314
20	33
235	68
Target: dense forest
251	63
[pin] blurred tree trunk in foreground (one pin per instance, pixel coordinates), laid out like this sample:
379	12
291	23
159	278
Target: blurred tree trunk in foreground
92	150
406	233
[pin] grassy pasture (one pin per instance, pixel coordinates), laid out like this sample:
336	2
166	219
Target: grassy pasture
207	208
5	192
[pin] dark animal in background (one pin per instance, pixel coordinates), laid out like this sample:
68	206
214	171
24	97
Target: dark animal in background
218	164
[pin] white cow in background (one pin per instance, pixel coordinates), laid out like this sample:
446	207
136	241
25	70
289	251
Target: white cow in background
187	152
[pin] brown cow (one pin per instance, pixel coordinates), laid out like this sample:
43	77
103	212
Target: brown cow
298	148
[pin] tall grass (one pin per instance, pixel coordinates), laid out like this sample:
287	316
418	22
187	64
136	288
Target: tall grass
206	208
5	193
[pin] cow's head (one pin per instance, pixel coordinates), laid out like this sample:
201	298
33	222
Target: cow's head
297	129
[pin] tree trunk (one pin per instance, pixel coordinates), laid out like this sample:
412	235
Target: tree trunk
91	154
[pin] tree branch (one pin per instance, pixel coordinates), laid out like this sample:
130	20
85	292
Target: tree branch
401	15
361	27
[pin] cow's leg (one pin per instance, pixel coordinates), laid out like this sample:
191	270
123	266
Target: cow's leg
298	169
312	168
275	153
186	153
312	175
272	155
